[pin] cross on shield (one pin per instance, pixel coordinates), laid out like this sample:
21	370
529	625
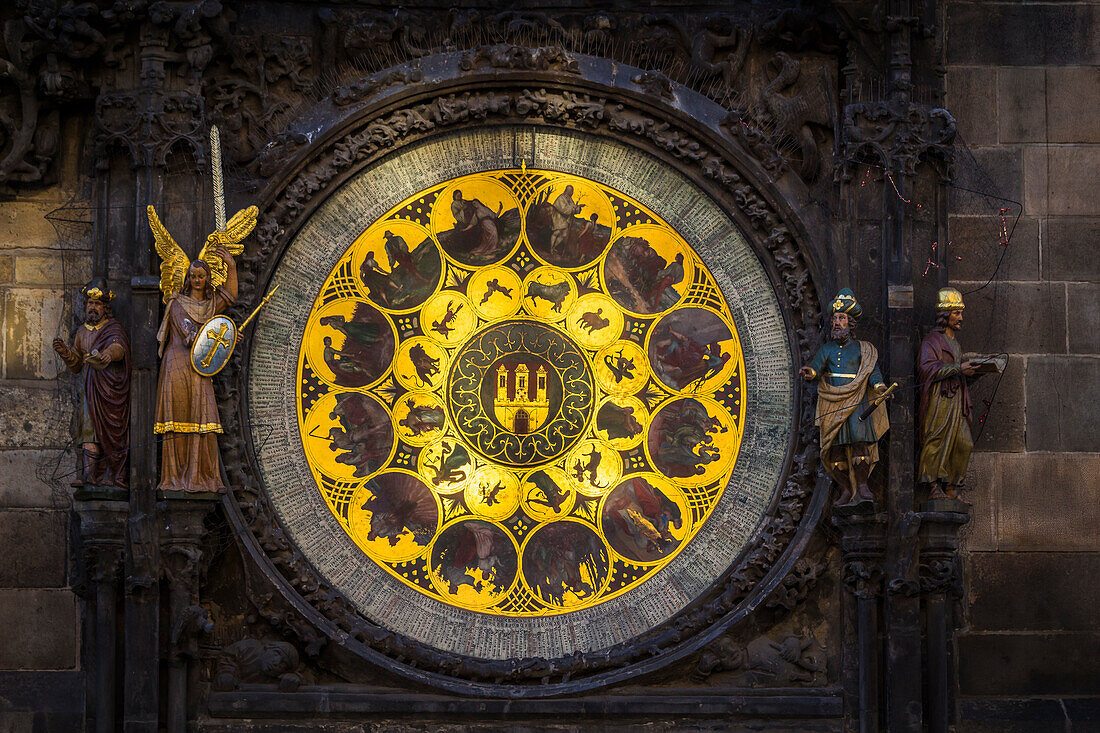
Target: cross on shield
213	345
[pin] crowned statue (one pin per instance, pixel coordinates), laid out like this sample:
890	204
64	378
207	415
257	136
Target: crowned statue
194	292
101	351
851	415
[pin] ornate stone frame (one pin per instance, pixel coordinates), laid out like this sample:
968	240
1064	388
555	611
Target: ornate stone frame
352	129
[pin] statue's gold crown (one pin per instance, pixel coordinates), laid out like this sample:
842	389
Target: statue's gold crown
949	299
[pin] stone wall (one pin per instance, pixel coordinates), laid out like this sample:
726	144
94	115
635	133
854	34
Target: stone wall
1023	81
40	619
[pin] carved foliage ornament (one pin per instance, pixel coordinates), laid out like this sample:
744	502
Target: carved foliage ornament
373	137
898	137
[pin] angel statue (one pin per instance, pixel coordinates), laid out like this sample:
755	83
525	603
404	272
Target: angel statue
187	414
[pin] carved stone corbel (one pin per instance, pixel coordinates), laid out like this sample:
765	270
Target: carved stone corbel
863	579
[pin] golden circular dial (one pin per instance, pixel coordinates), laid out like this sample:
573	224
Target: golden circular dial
520	392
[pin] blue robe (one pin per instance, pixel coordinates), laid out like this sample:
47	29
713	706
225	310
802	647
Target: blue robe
838	363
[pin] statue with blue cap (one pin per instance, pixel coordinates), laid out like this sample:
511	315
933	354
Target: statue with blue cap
848	382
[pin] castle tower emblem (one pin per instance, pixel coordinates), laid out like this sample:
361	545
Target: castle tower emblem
520	401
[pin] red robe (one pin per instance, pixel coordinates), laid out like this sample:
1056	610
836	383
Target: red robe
935	353
107	393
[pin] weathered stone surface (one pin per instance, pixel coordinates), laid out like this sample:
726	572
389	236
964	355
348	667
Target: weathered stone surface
1029	664
1073	178
35	479
1036	177
7	268
37	416
1083	309
1073	104
1047	501
41	538
977	240
993	171
1062	395
1019	318
998	409
1029	34
1036	715
972	99
39	629
23	223
42	701
58	268
1021	108
1034	591
980	490
32	319
1070	249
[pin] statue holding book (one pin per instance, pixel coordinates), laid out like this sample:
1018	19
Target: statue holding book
945	410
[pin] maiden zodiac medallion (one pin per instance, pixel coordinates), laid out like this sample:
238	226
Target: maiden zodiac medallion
520	392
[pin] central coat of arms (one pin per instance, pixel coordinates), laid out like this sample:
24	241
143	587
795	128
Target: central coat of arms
521	393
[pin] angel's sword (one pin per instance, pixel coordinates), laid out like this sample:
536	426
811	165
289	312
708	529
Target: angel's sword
216	170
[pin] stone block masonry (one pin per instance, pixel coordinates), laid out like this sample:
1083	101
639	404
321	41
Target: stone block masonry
1026	90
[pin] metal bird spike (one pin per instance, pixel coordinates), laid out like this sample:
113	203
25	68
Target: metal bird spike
216	169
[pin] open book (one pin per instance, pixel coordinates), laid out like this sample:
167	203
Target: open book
986	364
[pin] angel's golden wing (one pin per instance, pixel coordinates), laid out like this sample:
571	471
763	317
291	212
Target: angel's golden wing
239	227
173	260
236	229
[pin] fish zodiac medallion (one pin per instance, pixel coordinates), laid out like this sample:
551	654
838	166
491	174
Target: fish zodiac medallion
520	393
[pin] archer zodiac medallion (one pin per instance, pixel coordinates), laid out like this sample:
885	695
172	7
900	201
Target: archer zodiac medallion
519	393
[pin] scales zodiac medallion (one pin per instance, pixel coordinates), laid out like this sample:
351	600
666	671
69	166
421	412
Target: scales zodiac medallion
520	393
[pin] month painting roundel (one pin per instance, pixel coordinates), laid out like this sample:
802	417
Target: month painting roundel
512	408
520	392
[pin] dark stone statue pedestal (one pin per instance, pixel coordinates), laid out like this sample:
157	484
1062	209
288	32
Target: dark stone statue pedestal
90	493
860	508
946	505
103	540
188	496
183	515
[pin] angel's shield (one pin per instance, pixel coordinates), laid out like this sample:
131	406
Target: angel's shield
213	345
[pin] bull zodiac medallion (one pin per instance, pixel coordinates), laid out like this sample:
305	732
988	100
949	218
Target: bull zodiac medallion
520	392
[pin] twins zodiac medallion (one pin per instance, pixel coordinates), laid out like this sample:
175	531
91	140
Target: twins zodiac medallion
520	392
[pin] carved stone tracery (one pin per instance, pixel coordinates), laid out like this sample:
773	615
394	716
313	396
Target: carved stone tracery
898	136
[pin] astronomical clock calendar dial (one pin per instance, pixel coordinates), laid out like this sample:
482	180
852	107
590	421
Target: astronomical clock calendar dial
513	408
520	392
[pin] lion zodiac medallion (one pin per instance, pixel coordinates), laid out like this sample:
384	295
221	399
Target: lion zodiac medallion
520	393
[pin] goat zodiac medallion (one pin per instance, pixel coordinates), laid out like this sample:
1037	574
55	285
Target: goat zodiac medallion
520	392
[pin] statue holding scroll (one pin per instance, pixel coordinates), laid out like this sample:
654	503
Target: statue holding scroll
849	386
186	413
101	350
